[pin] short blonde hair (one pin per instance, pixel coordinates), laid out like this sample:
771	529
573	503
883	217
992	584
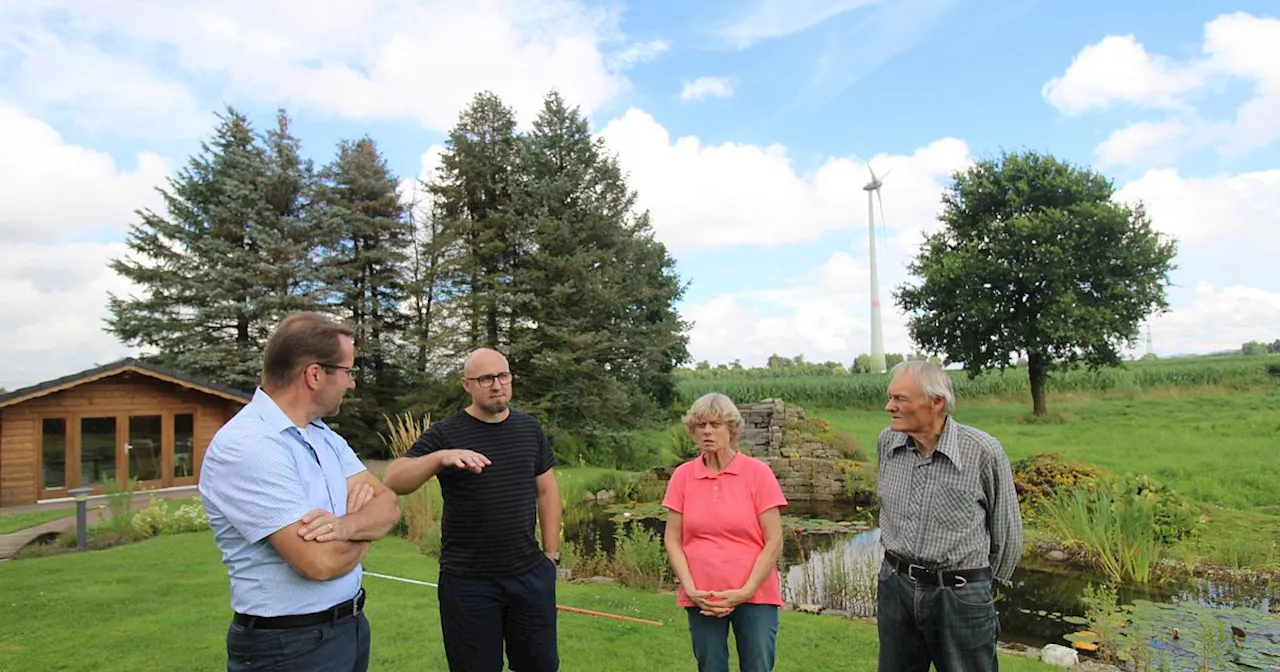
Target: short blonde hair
711	407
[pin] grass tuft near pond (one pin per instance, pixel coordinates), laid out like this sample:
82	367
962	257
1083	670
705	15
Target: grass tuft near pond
162	604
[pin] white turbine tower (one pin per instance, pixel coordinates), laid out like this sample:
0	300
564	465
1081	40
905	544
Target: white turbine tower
877	333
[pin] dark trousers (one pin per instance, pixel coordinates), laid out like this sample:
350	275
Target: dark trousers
479	614
953	628
340	645
755	631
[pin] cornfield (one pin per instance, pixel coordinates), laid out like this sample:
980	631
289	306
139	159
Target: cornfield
868	390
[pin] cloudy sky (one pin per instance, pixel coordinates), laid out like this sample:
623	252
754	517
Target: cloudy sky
746	127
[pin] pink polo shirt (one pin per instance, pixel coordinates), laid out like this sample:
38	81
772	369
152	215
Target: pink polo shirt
720	523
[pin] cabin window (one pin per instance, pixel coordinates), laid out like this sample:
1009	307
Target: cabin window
184	445
53	452
97	450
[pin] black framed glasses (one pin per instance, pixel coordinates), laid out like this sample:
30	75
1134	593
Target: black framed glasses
351	370
487	380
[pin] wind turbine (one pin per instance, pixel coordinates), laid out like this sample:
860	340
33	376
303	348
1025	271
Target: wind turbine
877	333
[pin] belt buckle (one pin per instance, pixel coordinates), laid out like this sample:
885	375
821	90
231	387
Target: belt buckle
910	571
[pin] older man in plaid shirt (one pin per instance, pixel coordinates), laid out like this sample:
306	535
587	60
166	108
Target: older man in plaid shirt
949	524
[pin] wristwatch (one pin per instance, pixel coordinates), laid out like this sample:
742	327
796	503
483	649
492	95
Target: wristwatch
555	557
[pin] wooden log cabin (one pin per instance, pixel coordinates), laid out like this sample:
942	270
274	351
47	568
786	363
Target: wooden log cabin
128	418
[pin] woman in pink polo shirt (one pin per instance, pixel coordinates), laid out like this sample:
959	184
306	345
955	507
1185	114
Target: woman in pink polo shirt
724	534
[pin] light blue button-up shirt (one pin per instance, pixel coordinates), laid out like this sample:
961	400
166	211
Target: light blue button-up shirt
261	474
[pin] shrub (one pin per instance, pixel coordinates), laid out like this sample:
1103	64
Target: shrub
797	430
639	558
1039	478
157	518
860	481
1173	517
681	444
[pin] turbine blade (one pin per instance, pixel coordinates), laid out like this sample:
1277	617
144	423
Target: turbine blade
886	174
873	173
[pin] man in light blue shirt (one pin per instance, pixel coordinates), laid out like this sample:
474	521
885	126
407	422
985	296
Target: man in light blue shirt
293	510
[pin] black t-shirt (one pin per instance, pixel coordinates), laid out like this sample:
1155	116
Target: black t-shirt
489	517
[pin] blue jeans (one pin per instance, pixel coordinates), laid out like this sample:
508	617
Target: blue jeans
953	628
341	645
480	614
755	631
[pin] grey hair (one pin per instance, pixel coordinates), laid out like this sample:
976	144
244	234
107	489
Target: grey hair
715	406
935	382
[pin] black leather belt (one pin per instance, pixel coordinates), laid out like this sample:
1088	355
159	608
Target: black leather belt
341	610
950	578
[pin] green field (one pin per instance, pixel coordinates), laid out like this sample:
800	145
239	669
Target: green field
868	390
162	605
1216	448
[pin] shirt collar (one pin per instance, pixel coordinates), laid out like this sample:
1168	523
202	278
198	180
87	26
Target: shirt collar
270	412
947	442
700	469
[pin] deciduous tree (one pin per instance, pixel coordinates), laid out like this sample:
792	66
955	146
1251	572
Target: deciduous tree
1034	257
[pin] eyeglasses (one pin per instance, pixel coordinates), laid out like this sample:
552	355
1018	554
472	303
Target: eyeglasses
487	380
351	370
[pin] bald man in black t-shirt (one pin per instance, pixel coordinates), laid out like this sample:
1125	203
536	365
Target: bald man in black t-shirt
495	469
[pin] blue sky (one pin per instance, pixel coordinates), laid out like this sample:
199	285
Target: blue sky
746	127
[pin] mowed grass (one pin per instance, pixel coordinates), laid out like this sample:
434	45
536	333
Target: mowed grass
162	604
21	520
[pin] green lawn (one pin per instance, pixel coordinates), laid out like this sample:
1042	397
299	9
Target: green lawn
12	522
162	605
1213	448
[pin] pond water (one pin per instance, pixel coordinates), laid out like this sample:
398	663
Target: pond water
837	570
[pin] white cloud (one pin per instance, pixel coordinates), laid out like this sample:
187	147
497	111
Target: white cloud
770	19
1119	69
1217	319
1245	46
374	59
57	189
705	196
1143	143
640	52
823	313
100	91
708	87
1230	210
53	306
1237	46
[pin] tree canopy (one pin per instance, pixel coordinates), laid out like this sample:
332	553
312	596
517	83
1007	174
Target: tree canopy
530	243
1035	258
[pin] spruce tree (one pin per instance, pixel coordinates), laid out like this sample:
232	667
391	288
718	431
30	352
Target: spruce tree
480	235
226	261
598	337
364	255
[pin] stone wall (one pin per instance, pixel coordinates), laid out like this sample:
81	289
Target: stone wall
806	469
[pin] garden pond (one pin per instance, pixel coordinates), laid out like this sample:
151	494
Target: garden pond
831	555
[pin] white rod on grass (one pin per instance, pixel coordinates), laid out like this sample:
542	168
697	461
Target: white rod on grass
396	578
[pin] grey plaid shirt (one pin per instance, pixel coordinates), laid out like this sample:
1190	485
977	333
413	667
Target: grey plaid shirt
955	509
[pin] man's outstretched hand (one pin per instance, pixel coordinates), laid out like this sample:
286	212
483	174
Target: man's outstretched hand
460	458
